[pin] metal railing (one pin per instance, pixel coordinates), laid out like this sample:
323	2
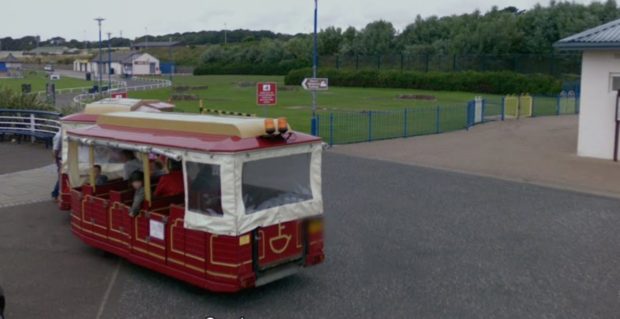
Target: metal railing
84	98
35	124
367	126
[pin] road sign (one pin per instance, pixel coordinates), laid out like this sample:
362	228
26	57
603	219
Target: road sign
315	84
266	93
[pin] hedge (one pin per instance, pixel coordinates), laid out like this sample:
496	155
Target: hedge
504	82
281	68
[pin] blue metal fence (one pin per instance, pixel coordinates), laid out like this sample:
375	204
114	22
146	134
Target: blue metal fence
366	126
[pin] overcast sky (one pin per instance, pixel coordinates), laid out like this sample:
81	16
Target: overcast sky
74	18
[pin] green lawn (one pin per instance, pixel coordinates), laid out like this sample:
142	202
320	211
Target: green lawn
38	81
238	93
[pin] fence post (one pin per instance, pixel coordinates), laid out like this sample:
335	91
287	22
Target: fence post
558	104
484	109
331	129
405	129
313	125
503	108
32	127
369	126
533	106
437	115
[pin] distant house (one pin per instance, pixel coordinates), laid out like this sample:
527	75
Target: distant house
56	50
124	63
81	65
10	63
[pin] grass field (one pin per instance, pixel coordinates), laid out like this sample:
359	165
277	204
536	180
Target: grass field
238	93
38	81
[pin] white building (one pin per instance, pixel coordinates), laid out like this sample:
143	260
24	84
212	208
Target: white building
122	63
600	66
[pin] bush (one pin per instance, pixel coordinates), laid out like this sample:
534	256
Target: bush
282	68
503	82
11	99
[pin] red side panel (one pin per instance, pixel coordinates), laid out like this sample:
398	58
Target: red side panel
64	202
158	235
279	244
120	222
96	215
195	251
176	241
140	236
76	210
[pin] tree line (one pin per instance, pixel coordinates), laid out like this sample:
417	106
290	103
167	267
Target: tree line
498	31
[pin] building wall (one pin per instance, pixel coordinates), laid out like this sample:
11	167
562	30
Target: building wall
598	103
141	65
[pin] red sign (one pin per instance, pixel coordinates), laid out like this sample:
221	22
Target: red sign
266	93
119	95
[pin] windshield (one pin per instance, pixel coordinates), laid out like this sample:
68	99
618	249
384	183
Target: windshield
275	182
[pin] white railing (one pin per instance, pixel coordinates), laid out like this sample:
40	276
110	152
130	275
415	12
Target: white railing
82	99
36	124
116	84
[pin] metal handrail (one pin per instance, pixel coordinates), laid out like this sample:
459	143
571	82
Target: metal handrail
29	124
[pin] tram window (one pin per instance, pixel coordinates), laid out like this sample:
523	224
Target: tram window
204	188
276	182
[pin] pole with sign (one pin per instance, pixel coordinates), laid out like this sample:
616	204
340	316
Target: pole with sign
266	94
315	63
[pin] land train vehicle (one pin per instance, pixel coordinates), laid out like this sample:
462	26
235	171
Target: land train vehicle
251	207
89	117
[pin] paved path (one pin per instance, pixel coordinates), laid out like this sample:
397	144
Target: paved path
401	242
26	174
540	151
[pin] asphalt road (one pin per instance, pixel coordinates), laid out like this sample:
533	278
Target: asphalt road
18	157
402	242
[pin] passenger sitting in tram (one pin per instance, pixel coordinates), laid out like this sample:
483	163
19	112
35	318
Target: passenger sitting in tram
131	163
172	183
157	168
100	179
137	183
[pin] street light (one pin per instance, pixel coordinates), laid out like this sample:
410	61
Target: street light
315	62
99	68
109	61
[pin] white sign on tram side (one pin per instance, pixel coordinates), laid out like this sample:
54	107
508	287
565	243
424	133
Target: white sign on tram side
156	229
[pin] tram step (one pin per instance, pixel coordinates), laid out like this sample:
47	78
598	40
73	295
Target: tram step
277	273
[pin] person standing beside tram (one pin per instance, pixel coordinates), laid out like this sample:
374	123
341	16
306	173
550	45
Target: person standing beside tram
57	155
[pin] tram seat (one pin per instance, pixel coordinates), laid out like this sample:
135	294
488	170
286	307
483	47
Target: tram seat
166	202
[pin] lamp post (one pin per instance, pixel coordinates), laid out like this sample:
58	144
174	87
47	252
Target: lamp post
315	62
99	68
109	61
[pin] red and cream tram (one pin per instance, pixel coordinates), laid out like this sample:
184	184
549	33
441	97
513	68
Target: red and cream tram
89	117
249	210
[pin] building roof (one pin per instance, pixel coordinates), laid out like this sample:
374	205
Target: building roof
119	56
606	36
187	132
49	50
10	59
156	44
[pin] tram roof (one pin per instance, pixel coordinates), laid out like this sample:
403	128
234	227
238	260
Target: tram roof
188	131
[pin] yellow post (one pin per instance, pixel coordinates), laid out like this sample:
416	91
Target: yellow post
91	162
146	168
74	164
201	105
